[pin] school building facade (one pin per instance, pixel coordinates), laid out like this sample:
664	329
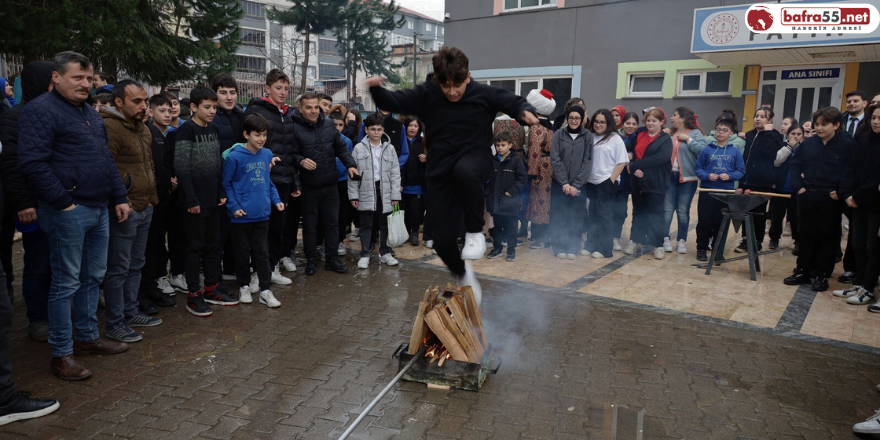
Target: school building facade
667	53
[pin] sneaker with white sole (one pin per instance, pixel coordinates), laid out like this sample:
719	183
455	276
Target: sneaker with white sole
667	245
355	236
268	299
22	407
178	282
561	256
123	333
364	263
616	246
597	254
861	298
388	259
341	249
255	282
277	278
287	264
846	293
244	295
474	246
870	426
659	253
141	320
682	248
584	252
163	286
630	248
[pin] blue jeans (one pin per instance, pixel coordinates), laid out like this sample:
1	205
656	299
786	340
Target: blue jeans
126	258
78	242
37	276
678	200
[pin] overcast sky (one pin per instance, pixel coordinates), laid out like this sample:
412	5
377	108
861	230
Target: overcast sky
432	8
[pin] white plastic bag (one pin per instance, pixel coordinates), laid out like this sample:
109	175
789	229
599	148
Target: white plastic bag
397	233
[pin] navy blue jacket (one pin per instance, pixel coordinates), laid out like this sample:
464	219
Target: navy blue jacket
62	151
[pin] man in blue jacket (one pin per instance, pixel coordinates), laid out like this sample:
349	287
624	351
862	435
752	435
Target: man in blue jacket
63	153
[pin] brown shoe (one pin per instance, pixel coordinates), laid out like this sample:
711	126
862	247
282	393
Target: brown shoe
98	346
67	368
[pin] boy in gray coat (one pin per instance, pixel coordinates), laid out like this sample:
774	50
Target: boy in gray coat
376	191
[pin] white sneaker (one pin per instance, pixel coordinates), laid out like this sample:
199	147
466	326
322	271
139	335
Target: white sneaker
255	283
354	235
870	426
561	256
388	259
474	246
364	263
598	254
659	253
268	299
244	295
616	246
786	231
630	248
227	277
846	293
682	248
570	256
178	282
341	249
470	279
277	278
429	244
163	285
862	297
667	245
584	252
288	264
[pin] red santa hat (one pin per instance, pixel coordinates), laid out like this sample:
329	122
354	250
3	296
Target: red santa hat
542	101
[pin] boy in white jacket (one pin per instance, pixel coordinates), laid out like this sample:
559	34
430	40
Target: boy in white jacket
374	194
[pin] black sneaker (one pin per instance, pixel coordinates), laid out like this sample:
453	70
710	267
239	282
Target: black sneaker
220	294
511	257
311	266
820	284
146	306
797	249
496	252
195	304
774	244
22	407
160	299
336	266
743	247
414	239
797	278
847	277
701	255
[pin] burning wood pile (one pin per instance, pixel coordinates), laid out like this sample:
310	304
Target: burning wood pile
450	325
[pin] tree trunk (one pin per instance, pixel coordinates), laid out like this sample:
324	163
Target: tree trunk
305	65
353	89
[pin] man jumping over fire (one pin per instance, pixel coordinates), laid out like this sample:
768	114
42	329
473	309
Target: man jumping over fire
458	115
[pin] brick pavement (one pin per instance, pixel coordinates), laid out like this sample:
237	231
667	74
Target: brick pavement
574	366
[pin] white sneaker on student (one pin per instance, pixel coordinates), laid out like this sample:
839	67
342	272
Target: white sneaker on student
474	246
244	295
255	282
870	426
178	282
429	244
388	259
630	248
163	285
341	249
364	263
659	253
277	278
268	299
682	248
598	254
616	246
667	245
288	264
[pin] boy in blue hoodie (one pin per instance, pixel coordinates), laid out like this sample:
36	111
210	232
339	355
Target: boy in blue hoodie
719	165
251	195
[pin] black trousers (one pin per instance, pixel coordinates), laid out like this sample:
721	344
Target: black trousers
759	215
226	244
291	226
505	230
849	255
709	218
345	212
866	224
7	385
177	242
428	230
779	209
374	228
413	211
6	238
250	243
600	217
155	254
277	226
621	200
647	220
566	219
320	203
203	247
819	216
457	195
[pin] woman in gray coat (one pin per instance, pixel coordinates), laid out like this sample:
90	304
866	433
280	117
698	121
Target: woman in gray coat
571	156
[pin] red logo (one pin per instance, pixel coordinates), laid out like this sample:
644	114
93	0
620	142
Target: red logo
723	28
759	18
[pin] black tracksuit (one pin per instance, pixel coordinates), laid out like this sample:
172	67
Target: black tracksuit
460	136
761	176
156	255
818	170
861	182
509	177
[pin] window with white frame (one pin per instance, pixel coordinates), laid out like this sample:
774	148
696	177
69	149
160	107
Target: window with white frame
400	40
253	38
647	84
705	82
559	86
253	10
311	72
409	25
516	5
428	27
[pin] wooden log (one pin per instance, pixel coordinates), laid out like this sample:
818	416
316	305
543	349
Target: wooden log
435	321
753	193
466	328
458	333
420	330
473	311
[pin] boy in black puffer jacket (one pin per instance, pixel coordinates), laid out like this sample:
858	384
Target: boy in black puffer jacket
503	202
